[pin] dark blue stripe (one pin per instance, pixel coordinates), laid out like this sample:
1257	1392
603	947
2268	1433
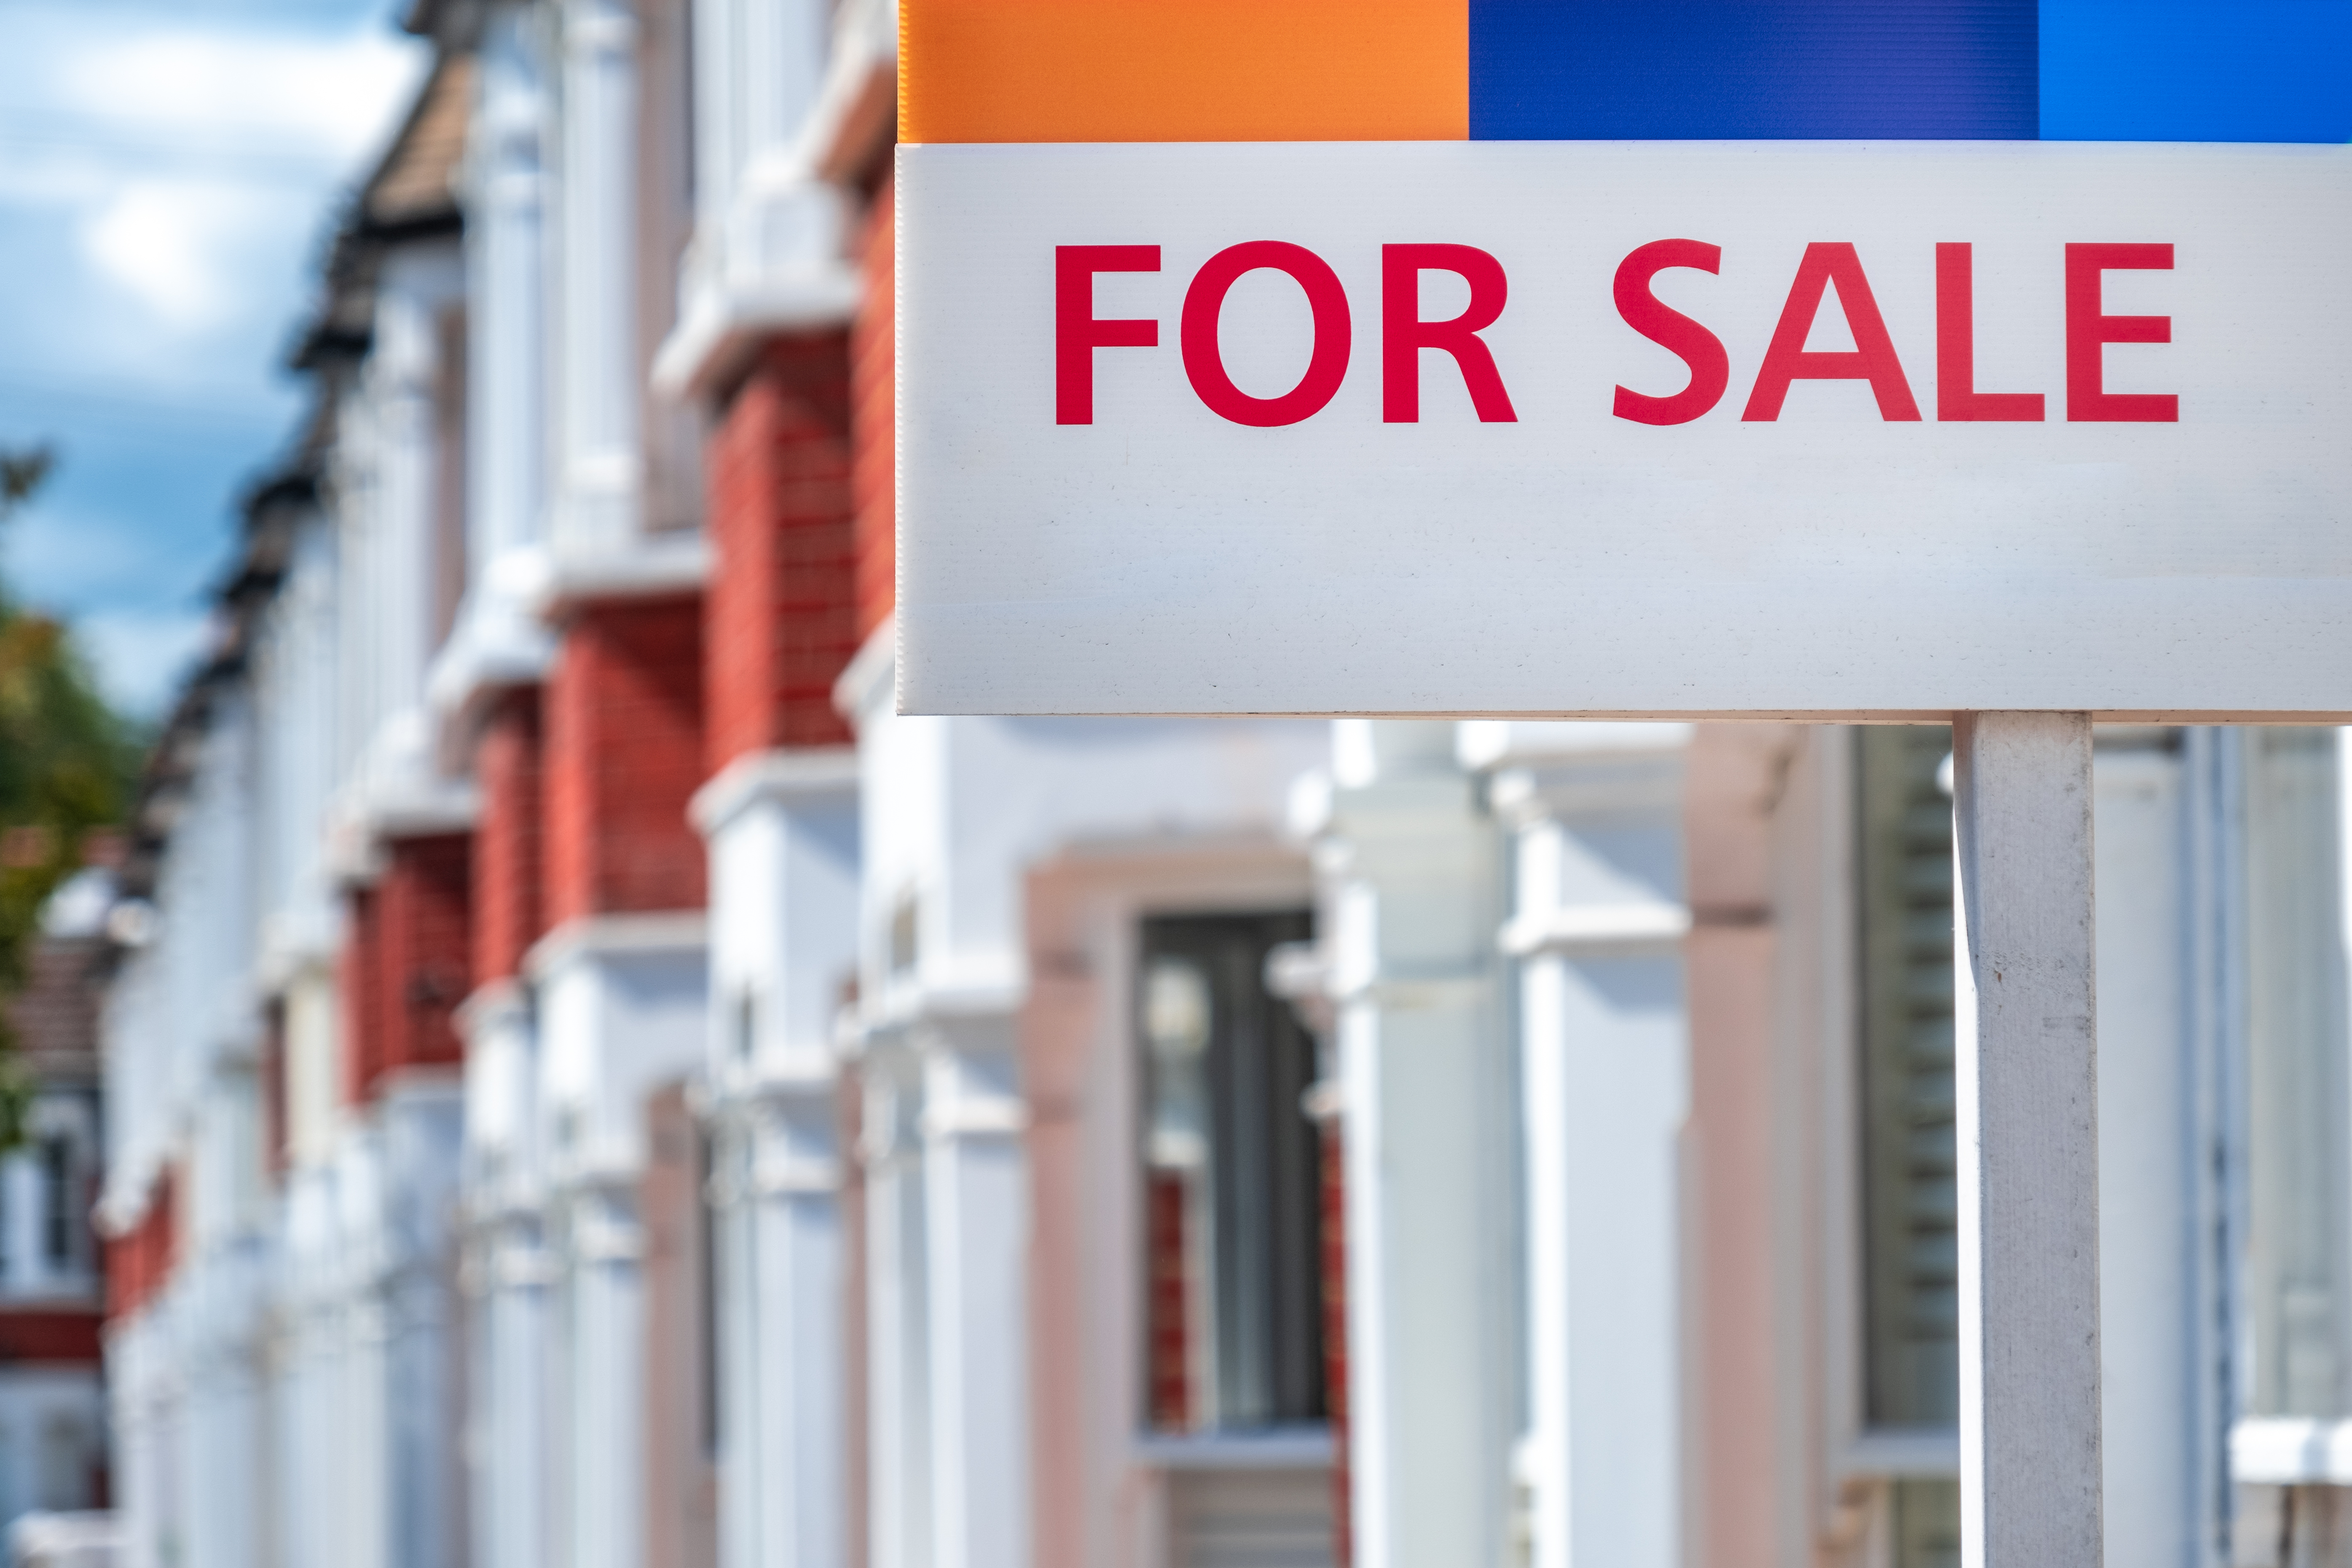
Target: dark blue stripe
1761	69
2190	71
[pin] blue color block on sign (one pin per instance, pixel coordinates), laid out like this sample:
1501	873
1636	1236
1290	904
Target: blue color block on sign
1765	69
2194	70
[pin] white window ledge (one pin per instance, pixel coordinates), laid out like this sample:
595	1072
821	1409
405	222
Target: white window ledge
1303	1448
2290	1451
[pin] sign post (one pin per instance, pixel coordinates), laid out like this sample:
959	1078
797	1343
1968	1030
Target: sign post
1382	359
2025	1051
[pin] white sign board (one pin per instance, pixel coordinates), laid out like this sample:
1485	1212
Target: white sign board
1625	429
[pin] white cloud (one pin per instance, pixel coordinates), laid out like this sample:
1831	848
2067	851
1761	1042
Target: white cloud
177	154
177	246
293	93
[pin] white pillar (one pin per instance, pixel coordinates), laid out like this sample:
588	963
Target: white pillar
900	1515
1416	905
421	1139
783	834
360	1452
512	1476
136	1365
506	286
1604	1067
606	1347
975	1234
498	638
784	45
721	66
400	376
781	1388
221	1426
623	1011
512	1272
2027	1125
601	478
2162	1326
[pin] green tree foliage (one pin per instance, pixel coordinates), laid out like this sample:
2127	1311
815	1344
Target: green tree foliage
66	761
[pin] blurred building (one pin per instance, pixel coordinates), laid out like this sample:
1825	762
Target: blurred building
592	1086
53	1418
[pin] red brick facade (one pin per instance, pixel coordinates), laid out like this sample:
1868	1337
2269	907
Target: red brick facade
358	968
50	1334
874	391
509	899
625	755
781	623
406	964
139	1261
1168	1328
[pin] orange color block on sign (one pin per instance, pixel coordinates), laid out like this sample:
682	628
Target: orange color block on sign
1183	70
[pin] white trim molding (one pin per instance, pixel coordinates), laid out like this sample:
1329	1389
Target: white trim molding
2290	1451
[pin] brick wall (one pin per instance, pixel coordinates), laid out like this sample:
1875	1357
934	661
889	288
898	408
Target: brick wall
874	390
1168	1303
139	1262
56	1335
359	972
509	865
781	623
625	754
424	910
405	960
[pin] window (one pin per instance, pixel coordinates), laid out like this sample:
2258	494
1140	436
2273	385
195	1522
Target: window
1232	1245
1909	1191
57	1202
747	1024
1911	1246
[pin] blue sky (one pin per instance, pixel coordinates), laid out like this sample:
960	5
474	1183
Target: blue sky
167	171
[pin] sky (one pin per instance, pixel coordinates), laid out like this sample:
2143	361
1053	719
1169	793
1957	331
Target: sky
169	173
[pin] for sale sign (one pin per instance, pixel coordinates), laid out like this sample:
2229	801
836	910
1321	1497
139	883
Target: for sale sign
1581	428
1380	358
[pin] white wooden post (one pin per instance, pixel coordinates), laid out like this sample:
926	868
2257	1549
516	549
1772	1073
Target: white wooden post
2028	1127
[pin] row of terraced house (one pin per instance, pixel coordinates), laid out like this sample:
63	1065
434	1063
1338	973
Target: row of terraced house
590	1085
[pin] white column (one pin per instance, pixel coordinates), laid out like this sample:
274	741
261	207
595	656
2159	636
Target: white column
976	1224
900	1486
783	44
782	1390
607	1416
401	370
1416	907
622	1010
742	1382
507	285
1605	1090
513	1474
598	420
2027	1125
509	1474
135	1369
720	65
498	638
221	1426
2162	1326
358	1443
783	834
422	1145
